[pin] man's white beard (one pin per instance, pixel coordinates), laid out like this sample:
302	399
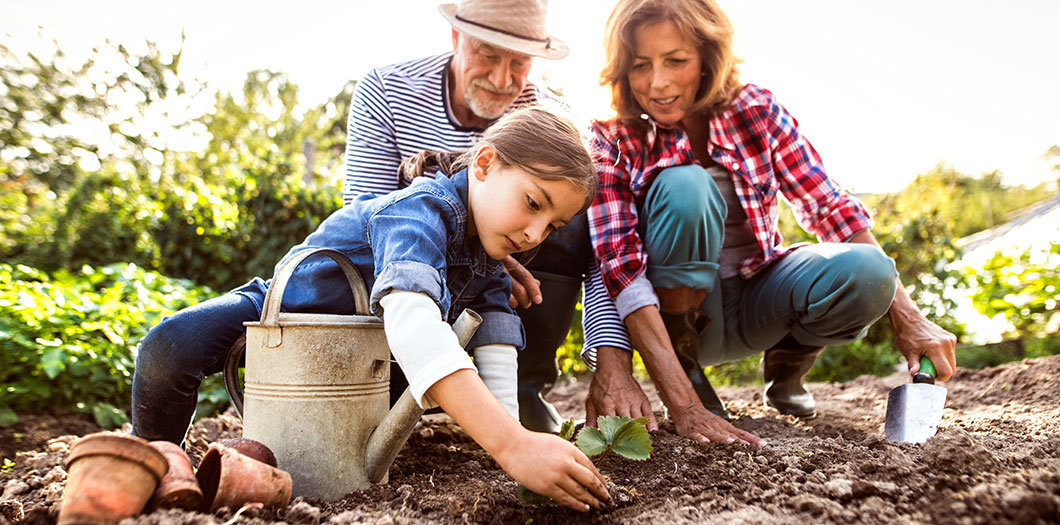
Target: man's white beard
487	109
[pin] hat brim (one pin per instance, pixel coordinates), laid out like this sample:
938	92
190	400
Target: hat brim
553	49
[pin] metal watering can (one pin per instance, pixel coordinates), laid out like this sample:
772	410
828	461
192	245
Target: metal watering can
317	389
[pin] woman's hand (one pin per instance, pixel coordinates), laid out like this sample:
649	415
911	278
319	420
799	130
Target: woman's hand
698	423
526	290
916	336
552	466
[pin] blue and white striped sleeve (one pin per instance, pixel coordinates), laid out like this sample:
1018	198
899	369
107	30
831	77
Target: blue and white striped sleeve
603	326
372	154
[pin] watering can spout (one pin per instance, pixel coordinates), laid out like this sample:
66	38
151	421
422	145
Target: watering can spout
394	430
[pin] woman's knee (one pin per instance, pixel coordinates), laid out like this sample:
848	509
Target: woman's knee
688	192
874	277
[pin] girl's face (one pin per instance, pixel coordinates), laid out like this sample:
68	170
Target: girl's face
665	73
513	211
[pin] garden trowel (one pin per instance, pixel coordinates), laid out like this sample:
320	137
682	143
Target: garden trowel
915	409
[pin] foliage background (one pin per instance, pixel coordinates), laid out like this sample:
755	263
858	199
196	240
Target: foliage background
123	197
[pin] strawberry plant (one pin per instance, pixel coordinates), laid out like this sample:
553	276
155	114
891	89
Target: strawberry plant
624	436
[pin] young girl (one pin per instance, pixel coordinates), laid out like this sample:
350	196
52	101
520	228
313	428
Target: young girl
426	252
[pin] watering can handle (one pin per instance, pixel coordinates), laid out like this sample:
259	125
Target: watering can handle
270	313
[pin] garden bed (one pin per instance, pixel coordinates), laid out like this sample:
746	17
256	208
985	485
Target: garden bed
995	459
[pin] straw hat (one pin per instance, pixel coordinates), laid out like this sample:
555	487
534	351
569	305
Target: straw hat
518	25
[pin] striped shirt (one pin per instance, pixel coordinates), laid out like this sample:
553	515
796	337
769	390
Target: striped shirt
398	111
758	141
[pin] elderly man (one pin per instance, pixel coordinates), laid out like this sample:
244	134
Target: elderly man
443	103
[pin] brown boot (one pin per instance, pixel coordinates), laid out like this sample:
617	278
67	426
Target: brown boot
685	330
783	369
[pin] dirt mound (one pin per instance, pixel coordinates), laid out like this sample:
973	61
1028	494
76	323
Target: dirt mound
996	459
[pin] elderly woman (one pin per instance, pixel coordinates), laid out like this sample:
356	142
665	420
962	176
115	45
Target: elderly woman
685	231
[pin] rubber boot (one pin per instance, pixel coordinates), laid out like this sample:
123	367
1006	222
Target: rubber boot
685	330
546	327
783	368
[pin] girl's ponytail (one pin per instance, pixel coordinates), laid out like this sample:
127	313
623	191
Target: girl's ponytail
429	162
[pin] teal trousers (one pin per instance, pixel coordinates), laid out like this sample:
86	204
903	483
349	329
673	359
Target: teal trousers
819	295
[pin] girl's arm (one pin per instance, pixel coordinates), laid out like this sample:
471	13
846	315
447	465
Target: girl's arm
440	372
544	463
498	367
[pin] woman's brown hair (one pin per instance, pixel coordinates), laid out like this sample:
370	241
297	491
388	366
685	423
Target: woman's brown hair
701	21
533	139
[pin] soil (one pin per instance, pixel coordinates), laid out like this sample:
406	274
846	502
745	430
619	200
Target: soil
996	459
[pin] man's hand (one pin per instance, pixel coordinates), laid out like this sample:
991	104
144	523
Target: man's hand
526	290
614	392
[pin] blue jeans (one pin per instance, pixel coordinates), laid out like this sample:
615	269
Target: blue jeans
174	358
822	294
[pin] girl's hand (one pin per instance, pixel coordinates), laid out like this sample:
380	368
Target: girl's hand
552	466
546	464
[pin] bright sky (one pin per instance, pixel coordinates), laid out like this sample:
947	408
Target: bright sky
884	90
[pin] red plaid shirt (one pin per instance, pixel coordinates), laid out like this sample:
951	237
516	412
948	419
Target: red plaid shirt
757	140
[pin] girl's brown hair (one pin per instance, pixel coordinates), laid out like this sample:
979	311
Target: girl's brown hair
701	21
533	139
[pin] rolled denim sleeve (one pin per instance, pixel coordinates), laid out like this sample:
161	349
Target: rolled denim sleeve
499	325
409	276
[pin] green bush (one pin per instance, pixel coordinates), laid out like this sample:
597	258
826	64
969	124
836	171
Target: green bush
984	356
67	341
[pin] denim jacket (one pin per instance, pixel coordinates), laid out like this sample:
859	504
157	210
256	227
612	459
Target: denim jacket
414	239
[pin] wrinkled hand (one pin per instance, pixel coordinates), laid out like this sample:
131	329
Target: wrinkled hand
618	398
614	392
552	466
526	290
698	423
916	336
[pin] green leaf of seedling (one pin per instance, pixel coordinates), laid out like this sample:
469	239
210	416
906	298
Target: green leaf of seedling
608	425
566	430
530	497
591	441
632	440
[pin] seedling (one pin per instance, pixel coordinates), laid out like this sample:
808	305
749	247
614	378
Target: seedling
624	436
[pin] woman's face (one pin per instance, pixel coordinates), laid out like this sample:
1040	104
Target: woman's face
665	73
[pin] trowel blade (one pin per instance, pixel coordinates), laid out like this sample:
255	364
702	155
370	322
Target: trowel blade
914	411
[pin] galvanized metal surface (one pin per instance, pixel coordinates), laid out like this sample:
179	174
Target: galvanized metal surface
914	411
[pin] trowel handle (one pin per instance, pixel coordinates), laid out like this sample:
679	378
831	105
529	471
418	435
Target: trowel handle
926	373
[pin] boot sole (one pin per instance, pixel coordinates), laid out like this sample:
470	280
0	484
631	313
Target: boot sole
807	415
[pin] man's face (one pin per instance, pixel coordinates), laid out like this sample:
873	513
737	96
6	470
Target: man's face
490	78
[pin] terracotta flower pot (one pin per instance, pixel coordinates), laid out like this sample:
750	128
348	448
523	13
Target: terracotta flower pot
230	479
179	488
254	449
110	477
